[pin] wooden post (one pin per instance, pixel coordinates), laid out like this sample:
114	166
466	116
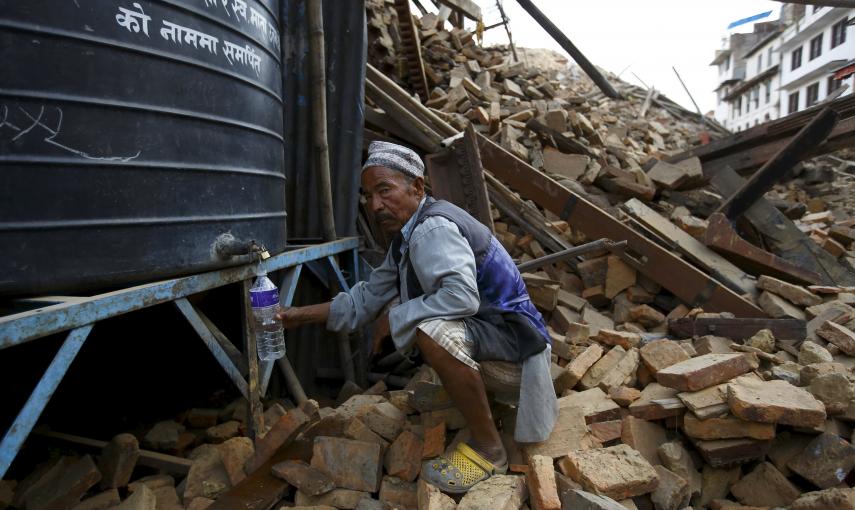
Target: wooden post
570	48
317	60
813	134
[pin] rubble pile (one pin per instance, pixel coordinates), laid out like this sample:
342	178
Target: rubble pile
663	404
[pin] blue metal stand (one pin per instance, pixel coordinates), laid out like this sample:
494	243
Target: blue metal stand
79	315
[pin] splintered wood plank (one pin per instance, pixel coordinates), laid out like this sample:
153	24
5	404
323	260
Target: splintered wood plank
722	269
722	237
737	329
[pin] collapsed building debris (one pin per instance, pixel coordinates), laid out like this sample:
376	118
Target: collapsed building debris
702	365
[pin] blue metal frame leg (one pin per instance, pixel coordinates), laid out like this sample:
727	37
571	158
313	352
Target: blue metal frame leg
29	415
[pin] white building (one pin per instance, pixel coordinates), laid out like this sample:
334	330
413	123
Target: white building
755	99
812	50
785	66
733	71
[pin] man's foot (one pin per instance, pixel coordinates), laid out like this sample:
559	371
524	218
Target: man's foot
460	471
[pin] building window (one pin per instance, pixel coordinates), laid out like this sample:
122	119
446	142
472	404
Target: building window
768	92
755	96
838	33
738	107
796	58
833	84
727	63
816	47
769	57
759	62
766	117
812	94
793	102
748	102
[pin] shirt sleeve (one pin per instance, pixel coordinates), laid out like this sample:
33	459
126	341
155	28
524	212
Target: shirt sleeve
353	309
445	266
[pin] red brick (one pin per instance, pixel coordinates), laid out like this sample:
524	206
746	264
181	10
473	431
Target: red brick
645	436
306	479
350	464
704	371
118	459
618	472
403	458
541	483
660	354
282	433
434	443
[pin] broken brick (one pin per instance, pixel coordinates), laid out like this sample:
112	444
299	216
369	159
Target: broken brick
308	480
645	436
618	472
727	427
118	460
825	461
704	371
765	486
350	464
775	402
663	353
403	458
542	488
434	442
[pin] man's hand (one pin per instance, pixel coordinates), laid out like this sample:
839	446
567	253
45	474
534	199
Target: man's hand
381	331
294	316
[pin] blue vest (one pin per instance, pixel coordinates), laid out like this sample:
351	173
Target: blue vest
500	285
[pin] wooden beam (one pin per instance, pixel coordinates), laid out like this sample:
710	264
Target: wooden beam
466	7
156	460
717	266
559	140
813	134
751	148
428	139
737	329
721	237
675	274
456	175
570	48
783	238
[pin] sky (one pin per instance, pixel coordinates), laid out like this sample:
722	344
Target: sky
645	37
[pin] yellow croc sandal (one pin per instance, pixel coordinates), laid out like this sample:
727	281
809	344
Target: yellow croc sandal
461	471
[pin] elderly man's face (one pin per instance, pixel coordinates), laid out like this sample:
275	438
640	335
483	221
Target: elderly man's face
390	197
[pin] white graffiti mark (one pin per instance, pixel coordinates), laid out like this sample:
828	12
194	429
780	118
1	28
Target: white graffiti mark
38	121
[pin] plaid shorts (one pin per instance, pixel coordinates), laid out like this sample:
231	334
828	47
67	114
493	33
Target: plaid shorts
451	335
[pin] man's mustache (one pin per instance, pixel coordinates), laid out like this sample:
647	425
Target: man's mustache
381	217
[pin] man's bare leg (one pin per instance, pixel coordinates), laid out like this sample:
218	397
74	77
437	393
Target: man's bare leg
466	389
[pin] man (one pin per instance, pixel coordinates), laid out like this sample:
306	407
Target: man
462	301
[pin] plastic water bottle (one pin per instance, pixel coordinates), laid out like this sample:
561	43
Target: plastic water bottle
269	334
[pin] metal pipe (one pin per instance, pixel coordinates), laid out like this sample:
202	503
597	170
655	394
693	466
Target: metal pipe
601	244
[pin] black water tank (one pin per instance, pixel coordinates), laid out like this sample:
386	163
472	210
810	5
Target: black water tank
132	134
